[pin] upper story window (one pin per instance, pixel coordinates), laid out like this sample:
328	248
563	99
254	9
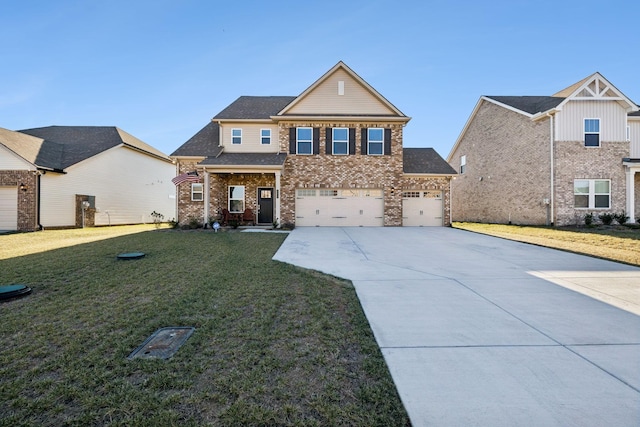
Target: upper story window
463	164
375	138
340	137
628	133
591	132
236	198
236	136
197	192
304	140
592	193
265	136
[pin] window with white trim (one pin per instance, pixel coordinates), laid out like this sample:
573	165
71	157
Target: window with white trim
340	138
628	133
591	132
197	192
592	193
375	141
304	140
265	136
463	164
236	136
236	198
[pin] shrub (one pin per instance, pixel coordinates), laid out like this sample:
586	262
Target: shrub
606	218
588	219
621	218
157	218
194	222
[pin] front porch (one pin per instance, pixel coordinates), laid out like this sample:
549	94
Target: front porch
632	170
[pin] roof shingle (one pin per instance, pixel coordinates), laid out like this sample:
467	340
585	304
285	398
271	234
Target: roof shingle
425	161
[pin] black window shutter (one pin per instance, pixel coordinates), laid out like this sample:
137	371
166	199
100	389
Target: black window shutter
316	140
387	141
352	141
329	140
292	141
363	142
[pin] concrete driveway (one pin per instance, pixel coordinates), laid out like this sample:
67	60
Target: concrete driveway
477	331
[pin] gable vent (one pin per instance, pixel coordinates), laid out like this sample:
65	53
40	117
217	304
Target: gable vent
340	87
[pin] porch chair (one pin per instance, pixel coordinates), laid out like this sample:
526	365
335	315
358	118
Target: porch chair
226	216
248	216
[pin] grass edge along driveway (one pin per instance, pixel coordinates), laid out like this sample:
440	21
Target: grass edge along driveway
274	344
621	244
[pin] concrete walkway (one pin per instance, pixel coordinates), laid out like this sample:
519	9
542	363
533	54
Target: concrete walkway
475	331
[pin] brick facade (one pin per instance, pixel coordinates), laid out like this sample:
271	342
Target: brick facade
575	161
507	169
27	201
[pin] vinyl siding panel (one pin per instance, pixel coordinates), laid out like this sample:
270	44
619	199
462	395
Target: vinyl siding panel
10	161
570	121
635	138
127	185
356	100
251	140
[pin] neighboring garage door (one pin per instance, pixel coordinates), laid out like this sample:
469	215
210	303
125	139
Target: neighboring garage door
8	208
422	208
339	207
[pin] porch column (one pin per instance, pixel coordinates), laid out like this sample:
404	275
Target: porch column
631	191
277	210
205	196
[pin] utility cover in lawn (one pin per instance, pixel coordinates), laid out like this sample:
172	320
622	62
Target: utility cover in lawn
163	343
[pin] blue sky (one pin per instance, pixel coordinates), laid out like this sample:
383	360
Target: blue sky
161	70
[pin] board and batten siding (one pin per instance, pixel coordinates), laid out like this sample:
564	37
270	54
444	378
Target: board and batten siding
10	161
324	99
570	120
251	140
635	138
127	186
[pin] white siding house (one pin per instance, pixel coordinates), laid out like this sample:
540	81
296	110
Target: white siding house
52	170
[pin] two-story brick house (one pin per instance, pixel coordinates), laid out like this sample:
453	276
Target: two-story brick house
332	156
549	159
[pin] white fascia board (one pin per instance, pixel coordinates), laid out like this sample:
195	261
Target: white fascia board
360	119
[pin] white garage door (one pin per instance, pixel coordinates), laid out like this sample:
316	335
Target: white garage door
339	207
8	208
422	208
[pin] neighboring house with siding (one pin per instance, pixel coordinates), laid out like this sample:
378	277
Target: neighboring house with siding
47	173
332	156
549	159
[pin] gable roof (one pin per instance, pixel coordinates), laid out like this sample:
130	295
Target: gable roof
204	143
254	107
425	161
366	86
25	146
64	146
529	104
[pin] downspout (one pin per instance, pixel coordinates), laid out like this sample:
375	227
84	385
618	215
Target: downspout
552	192
39	175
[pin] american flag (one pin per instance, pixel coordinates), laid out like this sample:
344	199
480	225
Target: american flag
186	177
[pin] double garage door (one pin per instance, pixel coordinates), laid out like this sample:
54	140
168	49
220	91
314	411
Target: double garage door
339	207
8	208
364	208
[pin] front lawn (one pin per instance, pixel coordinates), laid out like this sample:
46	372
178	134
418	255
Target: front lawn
273	344
616	243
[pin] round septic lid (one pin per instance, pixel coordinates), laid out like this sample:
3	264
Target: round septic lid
12	291
131	255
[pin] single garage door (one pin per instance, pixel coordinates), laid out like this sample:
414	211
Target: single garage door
339	207
8	208
422	208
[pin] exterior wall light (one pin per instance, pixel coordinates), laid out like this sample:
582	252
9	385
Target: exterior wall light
23	187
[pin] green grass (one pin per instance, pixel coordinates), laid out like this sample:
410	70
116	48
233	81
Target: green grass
273	344
615	243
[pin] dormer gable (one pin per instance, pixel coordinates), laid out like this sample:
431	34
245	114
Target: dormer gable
340	92
595	88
